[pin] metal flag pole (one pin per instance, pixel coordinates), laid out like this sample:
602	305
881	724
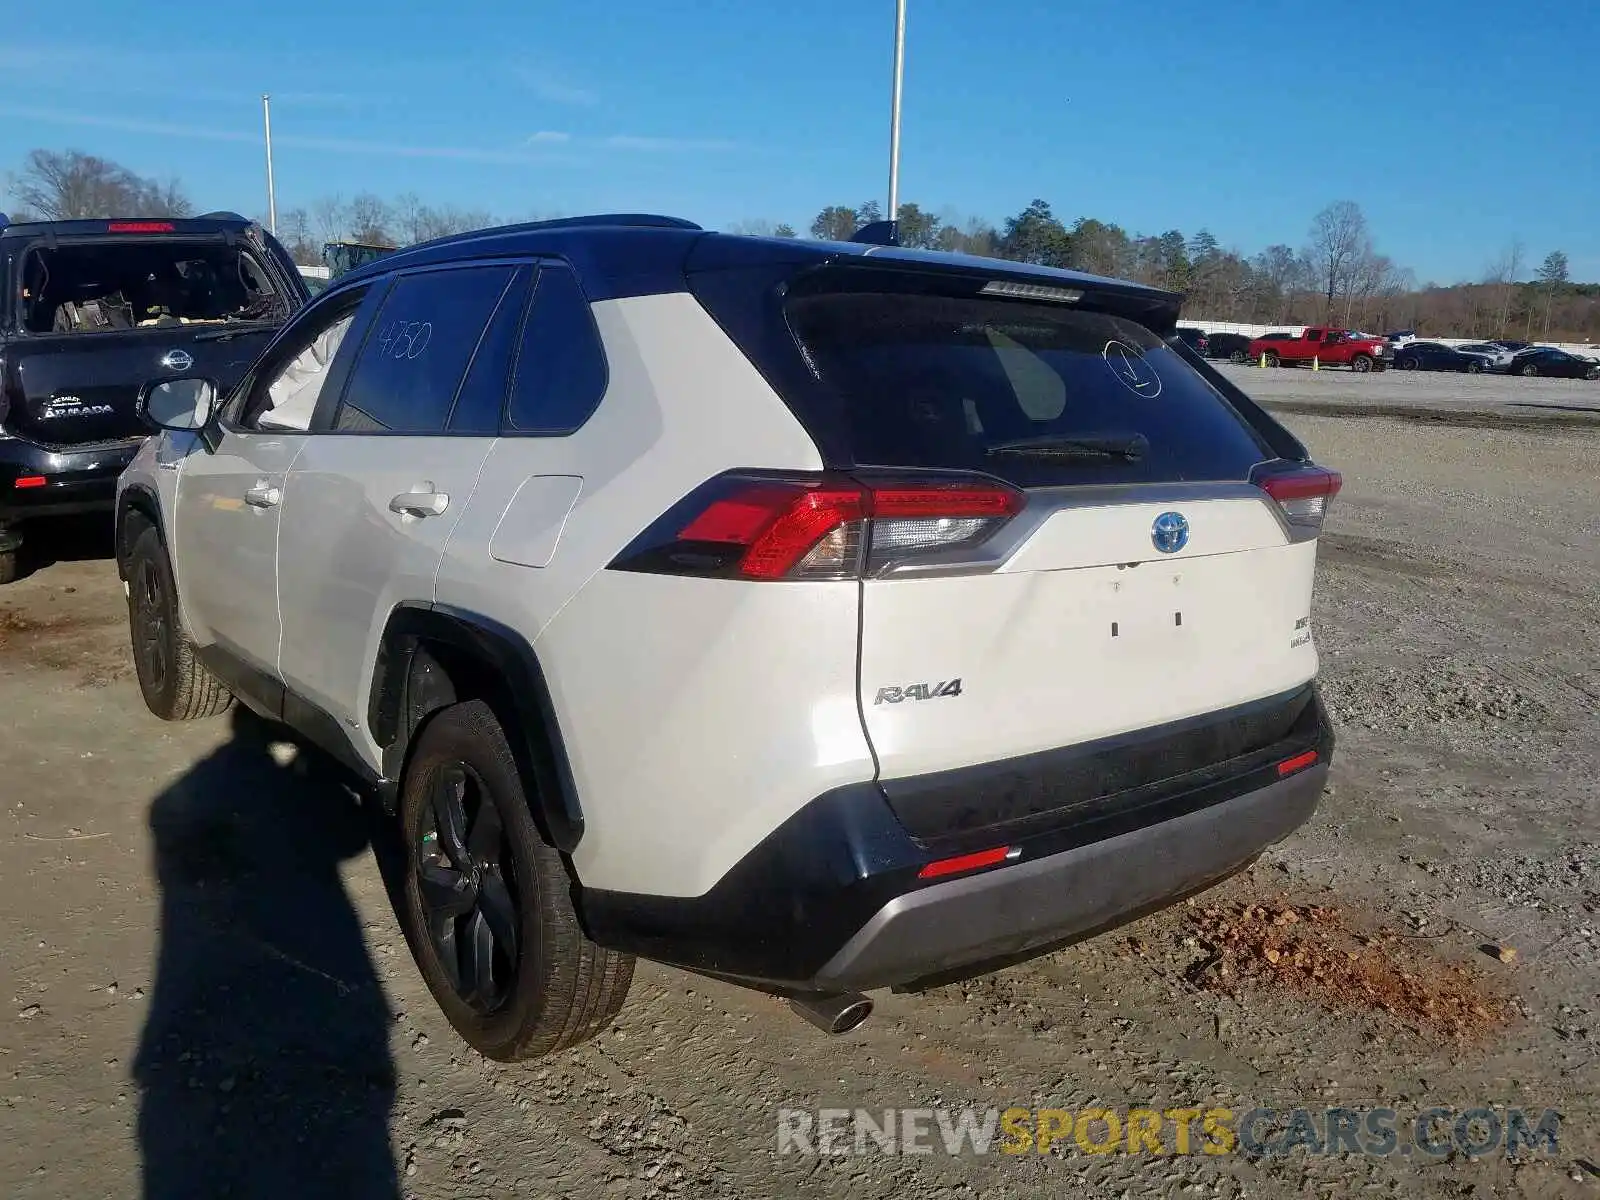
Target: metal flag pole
272	193
894	113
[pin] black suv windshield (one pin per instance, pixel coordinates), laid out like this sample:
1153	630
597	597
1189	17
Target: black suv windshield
1037	393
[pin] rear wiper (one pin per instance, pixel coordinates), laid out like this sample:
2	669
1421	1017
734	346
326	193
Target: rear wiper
233	330
1126	446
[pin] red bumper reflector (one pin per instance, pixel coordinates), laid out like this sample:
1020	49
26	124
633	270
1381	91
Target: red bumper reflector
964	862
30	481
1298	763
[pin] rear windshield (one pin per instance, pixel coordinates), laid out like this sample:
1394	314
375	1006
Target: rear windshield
109	285
1035	393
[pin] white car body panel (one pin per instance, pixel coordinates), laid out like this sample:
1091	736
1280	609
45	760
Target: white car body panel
647	666
1040	663
347	561
229	546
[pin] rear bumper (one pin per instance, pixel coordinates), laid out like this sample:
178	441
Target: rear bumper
833	900
999	914
80	479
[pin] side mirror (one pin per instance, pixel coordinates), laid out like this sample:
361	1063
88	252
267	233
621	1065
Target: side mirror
183	405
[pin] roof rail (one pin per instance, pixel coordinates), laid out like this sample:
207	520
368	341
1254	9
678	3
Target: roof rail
634	220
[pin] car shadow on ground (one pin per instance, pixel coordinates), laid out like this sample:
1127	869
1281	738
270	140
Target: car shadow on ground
66	539
264	1066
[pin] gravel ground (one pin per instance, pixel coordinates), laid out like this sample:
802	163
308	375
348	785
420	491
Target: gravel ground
208	994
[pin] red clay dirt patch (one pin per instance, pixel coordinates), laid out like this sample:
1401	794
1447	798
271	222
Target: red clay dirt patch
64	643
1313	949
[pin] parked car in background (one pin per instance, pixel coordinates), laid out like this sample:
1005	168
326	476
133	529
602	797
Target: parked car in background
1328	347
529	527
1434	356
1235	347
1514	347
1556	364
1195	339
92	310
1400	337
1499	357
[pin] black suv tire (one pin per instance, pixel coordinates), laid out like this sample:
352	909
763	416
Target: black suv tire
488	905
175	685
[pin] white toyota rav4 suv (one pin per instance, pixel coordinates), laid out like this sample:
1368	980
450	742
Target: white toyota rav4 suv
822	617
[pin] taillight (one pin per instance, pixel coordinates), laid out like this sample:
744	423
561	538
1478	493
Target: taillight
753	526
1303	494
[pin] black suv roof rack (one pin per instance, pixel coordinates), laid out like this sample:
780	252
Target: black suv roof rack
630	220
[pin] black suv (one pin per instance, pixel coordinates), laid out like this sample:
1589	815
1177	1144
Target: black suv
95	308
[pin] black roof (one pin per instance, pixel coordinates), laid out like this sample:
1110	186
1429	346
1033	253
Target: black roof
640	254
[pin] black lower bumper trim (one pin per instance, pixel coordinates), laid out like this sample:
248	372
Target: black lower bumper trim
76	479
792	915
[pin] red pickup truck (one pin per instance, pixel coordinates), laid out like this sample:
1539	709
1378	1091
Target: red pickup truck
1330	347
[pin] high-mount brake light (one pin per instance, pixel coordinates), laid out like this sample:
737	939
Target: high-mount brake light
1303	495
1031	291
757	527
140	227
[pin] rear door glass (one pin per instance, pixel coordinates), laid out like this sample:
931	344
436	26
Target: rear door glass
968	383
415	356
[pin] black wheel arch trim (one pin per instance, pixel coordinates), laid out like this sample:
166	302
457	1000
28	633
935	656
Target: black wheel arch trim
405	690
135	498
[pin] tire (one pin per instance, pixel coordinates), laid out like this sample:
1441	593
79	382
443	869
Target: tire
1273	360
1237	356
176	687
1474	368
1529	370
1591	373
1361	364
537	984
1407	364
10	566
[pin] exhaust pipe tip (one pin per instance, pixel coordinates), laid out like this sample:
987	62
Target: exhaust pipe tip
833	1014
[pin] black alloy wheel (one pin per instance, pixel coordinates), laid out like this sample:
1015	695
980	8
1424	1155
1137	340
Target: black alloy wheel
467	880
152	629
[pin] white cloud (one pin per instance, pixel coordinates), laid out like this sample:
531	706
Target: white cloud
548	137
621	141
207	134
557	90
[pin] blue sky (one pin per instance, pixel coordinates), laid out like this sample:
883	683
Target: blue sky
1236	115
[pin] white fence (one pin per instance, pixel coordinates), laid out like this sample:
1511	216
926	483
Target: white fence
1257	330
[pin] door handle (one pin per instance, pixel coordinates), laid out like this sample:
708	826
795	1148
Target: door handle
423	502
264	495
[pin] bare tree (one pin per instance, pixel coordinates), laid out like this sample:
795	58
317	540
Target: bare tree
1338	243
369	220
407	213
70	185
756	227
1502	274
294	231
330	218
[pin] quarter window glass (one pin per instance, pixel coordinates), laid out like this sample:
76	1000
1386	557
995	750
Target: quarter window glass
561	367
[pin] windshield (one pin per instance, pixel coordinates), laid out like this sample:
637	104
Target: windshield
118	284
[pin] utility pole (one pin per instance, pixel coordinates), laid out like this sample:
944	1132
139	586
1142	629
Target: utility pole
272	193
894	112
